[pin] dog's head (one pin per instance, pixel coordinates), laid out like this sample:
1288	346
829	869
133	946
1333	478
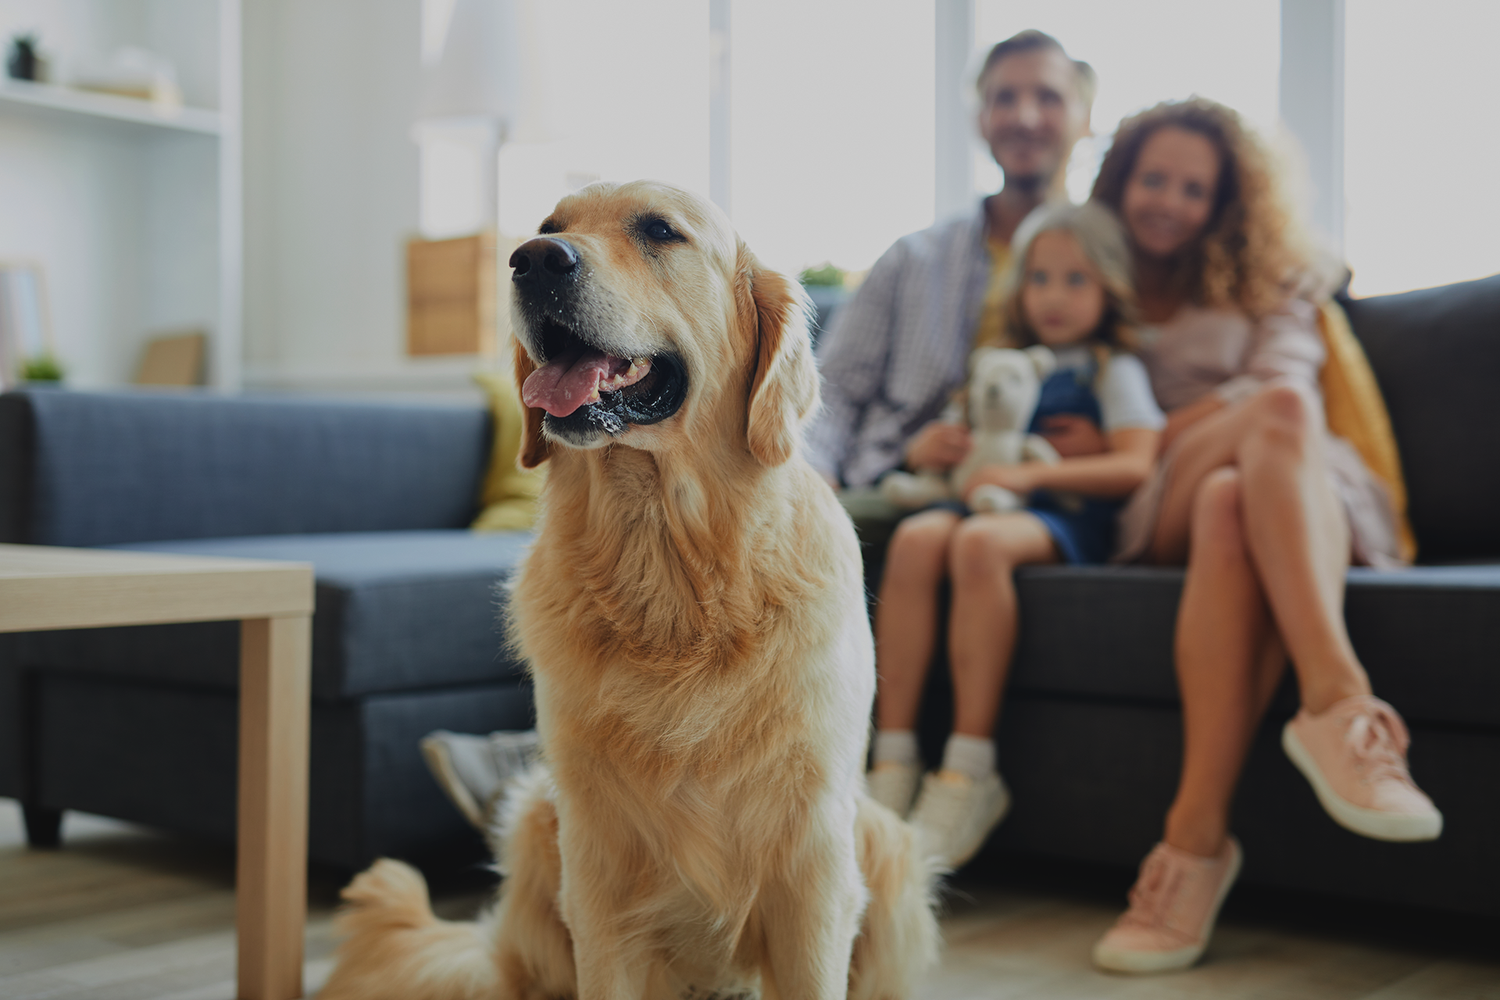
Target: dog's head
641	319
1005	386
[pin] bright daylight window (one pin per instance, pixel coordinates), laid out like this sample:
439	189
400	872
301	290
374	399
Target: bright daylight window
831	134
1420	143
1145	52
622	95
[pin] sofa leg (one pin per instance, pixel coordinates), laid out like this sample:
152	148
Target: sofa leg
43	826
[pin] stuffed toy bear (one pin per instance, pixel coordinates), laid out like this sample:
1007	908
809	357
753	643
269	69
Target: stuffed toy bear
1002	397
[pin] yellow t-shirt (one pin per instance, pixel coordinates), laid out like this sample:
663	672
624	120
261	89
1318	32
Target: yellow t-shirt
991	329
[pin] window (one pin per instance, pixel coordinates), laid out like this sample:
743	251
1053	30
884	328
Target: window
1420	143
831	143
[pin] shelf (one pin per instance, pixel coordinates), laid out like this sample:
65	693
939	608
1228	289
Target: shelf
111	106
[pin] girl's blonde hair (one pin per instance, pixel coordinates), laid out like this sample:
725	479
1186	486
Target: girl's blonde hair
1102	239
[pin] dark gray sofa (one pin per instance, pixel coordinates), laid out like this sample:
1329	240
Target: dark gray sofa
139	723
1090	733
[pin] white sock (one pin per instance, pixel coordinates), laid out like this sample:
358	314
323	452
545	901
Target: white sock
896	745
969	755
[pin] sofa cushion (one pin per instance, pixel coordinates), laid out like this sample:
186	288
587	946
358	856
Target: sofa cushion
100	468
1427	635
396	611
1436	354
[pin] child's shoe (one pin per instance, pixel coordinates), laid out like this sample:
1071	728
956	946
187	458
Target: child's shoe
894	785
1354	755
955	813
1173	906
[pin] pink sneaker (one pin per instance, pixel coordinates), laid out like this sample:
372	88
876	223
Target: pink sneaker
1173	906
1354	754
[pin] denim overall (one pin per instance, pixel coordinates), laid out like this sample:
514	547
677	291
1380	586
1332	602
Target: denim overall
1082	527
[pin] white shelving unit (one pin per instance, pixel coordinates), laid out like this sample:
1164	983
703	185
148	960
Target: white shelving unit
125	109
134	209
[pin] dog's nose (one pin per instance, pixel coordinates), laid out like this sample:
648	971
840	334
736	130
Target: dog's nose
543	259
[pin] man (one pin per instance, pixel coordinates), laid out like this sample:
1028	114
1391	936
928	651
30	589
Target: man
894	355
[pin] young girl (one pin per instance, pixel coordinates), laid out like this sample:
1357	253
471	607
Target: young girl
1071	291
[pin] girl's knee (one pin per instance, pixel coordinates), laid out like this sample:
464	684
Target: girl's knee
920	542
979	549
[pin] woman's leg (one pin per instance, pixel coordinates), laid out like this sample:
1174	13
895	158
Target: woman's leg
1294	527
906	615
985	551
1229	660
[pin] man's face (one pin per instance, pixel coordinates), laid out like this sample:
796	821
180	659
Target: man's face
1031	114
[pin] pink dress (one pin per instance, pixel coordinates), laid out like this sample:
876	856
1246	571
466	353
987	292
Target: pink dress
1221	351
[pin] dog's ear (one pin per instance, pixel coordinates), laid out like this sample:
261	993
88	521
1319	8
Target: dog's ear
784	388
1042	357
535	449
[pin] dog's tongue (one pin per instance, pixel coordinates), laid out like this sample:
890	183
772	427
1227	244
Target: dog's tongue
568	382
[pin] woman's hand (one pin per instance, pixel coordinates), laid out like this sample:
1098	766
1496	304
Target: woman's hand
1073	435
1020	479
939	446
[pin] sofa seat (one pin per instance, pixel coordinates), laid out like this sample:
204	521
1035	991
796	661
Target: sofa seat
396	610
1427	635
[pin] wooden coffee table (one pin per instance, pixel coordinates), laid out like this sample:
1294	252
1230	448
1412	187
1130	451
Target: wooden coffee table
42	588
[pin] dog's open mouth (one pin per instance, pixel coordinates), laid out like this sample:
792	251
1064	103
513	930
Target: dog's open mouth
582	387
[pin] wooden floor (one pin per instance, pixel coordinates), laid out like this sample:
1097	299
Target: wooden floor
122	913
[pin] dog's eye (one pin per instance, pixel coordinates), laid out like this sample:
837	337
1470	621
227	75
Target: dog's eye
659	231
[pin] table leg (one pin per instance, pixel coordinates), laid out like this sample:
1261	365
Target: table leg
271	881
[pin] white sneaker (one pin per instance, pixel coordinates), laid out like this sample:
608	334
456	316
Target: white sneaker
894	785
954	813
474	770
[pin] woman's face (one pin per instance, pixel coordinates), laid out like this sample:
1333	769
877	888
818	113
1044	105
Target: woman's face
1169	196
1061	294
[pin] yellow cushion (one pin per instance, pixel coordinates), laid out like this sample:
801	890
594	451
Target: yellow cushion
1356	412
510	492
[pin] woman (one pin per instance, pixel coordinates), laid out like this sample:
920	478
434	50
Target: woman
1263	506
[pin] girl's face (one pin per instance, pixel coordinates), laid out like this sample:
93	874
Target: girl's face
1169	196
1061	294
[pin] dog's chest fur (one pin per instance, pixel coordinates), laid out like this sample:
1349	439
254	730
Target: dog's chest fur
695	686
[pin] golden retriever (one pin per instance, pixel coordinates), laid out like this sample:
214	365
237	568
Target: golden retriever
694	618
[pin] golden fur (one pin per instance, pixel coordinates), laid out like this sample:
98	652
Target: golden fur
693	613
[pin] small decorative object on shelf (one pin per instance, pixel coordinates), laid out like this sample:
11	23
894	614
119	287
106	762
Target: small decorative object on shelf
43	369
24	62
25	324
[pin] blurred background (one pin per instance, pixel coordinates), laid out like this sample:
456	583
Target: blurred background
321	194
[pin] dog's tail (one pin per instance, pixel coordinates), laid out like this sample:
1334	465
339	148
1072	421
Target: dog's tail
899	938
395	947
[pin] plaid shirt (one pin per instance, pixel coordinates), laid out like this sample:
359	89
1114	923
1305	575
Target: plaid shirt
894	353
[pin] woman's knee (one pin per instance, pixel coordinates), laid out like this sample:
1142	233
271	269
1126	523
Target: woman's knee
1286	415
1217	512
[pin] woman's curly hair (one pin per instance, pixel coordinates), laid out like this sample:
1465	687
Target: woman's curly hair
1250	251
